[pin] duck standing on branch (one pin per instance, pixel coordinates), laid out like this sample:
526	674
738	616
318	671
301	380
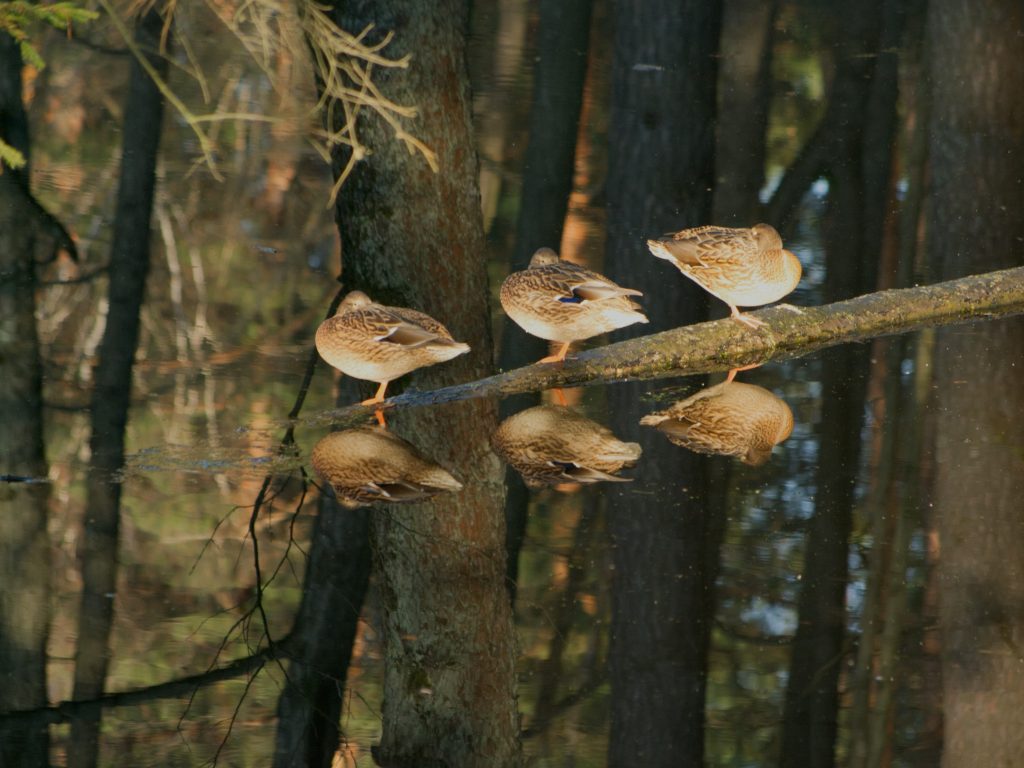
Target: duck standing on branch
373	342
564	302
742	267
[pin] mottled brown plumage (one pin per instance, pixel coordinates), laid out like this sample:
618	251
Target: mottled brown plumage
549	445
561	301
742	267
731	419
369	464
377	343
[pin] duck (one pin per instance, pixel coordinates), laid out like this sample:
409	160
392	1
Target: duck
744	267
377	343
551	445
560	301
366	465
730	419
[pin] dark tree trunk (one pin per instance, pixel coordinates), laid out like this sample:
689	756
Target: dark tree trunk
661	171
414	238
861	141
563	39
111	397
977	155
24	544
744	95
309	710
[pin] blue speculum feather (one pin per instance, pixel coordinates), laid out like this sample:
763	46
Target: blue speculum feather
574	299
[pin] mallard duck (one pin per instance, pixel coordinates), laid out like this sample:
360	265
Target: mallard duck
561	301
742	267
377	343
551	444
730	418
369	464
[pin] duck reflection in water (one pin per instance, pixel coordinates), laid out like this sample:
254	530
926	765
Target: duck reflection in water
370	341
369	464
551	445
561	301
731	419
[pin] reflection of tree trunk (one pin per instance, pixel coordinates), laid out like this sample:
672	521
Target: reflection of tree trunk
24	545
337	572
495	102
744	84
858	181
415	238
977	145
661	160
129	264
562	42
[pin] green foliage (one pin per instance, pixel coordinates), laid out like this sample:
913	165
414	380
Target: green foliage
16	16
10	157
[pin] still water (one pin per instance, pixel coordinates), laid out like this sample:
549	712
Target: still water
243	272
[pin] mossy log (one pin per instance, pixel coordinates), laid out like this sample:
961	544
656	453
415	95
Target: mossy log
719	345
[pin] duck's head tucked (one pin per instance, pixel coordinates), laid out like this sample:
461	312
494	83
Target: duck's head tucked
352	301
791	271
767	237
544	257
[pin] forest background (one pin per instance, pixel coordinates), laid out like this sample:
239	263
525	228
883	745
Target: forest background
174	239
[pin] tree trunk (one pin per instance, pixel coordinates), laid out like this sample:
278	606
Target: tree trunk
337	573
111	397
414	238
563	38
856	185
977	154
661	171
744	85
24	544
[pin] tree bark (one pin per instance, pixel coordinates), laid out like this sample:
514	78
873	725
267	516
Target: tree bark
24	544
660	173
977	145
414	238
111	397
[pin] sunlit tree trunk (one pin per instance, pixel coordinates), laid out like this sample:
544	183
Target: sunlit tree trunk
24	544
562	43
414	238
977	155
111	397
665	547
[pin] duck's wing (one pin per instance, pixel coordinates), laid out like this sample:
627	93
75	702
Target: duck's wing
571	282
407	327
708	246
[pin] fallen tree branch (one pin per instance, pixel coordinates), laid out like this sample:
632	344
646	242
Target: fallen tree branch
723	344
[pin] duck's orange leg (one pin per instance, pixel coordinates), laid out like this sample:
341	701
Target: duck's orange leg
558	356
379	397
734	371
752	322
559	396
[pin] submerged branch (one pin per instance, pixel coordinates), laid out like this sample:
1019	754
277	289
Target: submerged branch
723	344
